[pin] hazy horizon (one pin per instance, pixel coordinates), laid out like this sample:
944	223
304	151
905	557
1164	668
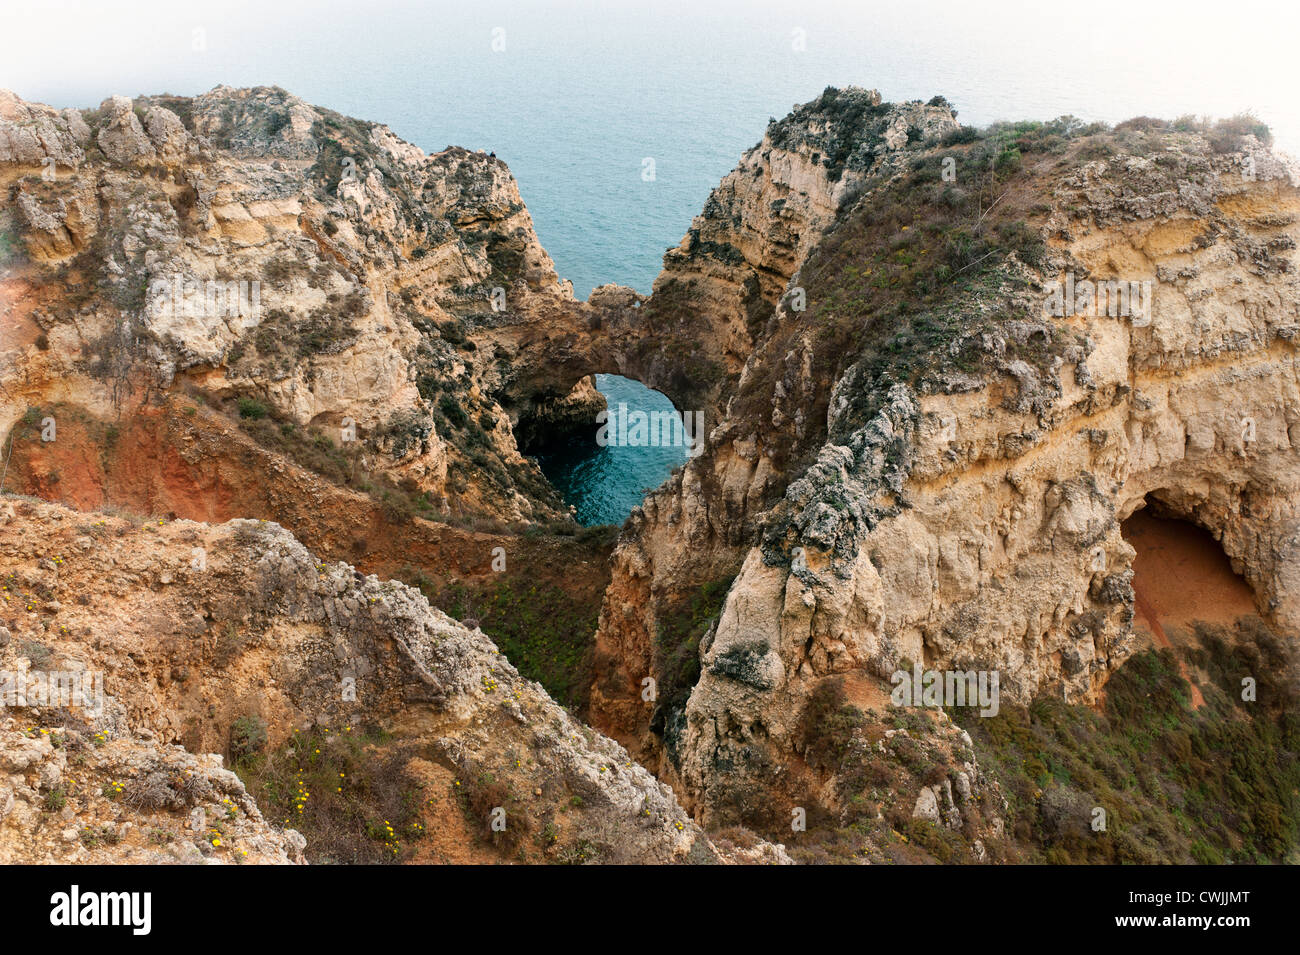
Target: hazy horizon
576	95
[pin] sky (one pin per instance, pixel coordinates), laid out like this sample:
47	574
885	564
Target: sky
1175	57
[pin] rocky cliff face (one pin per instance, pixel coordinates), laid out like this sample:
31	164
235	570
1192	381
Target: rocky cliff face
74	795
971	453
715	297
720	298
243	244
199	631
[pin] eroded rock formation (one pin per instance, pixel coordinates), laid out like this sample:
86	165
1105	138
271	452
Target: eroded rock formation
258	628
972	455
245	245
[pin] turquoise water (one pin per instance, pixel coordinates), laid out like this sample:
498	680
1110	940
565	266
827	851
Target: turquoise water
605	483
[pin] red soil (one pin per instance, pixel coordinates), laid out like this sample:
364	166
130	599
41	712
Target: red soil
184	461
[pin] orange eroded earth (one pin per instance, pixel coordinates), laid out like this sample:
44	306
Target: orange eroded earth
1181	575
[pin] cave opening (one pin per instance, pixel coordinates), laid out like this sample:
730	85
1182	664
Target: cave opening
1181	575
604	461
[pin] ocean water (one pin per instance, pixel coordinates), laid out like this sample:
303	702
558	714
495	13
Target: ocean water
583	98
605	483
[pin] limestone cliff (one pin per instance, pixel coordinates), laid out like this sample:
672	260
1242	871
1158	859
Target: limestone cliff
955	460
201	631
245	245
714	299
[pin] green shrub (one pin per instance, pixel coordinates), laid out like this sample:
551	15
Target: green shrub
543	630
346	789
450	407
38	653
1212	785
682	624
247	737
1245	124
252	408
826	725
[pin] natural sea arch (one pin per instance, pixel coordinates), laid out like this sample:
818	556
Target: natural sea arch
604	483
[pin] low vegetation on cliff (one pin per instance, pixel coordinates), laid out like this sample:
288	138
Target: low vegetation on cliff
1176	783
